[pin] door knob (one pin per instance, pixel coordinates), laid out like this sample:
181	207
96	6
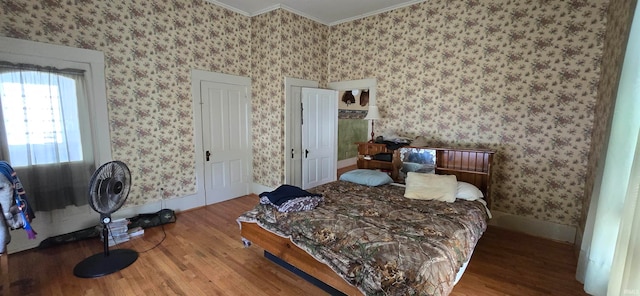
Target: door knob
207	154
306	153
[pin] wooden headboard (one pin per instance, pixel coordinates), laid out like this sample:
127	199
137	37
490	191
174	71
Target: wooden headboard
468	165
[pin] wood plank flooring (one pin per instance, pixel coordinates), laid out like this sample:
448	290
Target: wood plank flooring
202	254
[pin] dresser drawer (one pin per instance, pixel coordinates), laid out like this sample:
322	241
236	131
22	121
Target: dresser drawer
371	148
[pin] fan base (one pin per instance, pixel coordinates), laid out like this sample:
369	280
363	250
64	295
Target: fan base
100	265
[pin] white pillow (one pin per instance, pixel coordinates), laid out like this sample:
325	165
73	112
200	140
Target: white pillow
431	187
468	191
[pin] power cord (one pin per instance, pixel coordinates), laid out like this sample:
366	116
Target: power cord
164	234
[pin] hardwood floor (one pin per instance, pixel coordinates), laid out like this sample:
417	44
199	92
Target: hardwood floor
202	254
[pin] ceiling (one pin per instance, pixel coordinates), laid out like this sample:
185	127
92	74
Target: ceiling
328	12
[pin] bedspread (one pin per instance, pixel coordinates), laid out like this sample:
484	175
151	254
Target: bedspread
379	241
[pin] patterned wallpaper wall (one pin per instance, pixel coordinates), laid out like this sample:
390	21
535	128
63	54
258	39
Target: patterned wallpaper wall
620	15
283	45
519	77
150	48
268	105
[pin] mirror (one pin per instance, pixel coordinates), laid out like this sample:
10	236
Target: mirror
419	160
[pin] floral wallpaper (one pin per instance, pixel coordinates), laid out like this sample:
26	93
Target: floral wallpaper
283	45
267	98
150	48
518	77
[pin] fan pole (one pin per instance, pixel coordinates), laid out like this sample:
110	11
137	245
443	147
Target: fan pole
105	238
108	191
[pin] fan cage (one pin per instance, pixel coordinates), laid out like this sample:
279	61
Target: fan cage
109	187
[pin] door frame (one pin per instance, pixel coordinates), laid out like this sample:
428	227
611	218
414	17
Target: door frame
289	83
197	76
368	83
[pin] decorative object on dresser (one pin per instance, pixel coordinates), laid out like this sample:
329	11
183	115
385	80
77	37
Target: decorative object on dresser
366	160
348	98
373	114
364	97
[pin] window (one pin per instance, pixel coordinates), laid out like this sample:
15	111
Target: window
53	119
43	112
40	114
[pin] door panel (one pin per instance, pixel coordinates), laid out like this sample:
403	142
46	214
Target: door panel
295	137
225	117
319	136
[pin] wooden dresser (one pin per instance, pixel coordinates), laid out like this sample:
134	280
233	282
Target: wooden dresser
366	151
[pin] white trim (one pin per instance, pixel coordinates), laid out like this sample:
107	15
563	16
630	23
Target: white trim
229	7
313	18
72	218
347	162
379	11
197	76
368	83
92	61
535	227
302	14
265	10
259	188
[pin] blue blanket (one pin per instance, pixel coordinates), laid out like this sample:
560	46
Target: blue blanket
285	193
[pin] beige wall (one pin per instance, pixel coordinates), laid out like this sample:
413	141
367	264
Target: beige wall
150	48
520	77
283	45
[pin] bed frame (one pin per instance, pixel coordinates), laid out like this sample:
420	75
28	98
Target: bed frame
469	165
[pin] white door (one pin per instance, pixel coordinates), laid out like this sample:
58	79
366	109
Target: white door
226	140
319	136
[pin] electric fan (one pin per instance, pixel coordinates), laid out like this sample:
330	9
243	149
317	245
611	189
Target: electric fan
108	190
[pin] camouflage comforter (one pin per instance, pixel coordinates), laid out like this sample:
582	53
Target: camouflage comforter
379	241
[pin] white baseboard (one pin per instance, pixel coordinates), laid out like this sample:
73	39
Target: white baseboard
259	188
347	162
184	203
535	227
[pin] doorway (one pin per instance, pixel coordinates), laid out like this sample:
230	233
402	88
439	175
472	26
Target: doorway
293	129
349	126
322	112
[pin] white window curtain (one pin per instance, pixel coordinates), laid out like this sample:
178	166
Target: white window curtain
625	269
606	232
46	134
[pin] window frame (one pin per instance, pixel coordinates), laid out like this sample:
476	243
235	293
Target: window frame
58	56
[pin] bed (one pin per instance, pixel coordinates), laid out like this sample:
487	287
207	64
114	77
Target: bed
372	240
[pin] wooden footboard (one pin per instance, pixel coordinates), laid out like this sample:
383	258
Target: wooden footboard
292	254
